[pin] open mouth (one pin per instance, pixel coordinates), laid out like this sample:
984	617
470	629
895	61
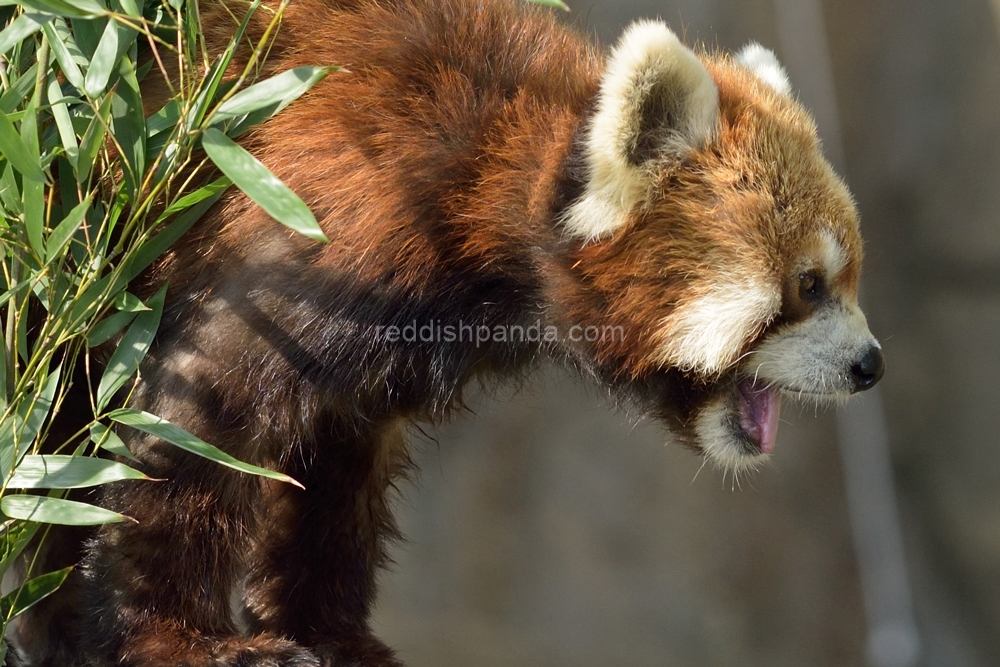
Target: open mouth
758	410
737	427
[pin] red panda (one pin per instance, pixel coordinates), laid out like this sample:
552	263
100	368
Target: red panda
663	219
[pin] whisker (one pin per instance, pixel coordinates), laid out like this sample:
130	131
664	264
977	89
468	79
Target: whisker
704	461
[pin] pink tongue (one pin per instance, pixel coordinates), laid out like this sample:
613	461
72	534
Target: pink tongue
760	408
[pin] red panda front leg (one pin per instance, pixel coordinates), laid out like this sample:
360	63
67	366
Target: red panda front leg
312	577
159	589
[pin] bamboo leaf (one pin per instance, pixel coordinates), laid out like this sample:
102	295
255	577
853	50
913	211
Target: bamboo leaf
87	33
129	126
164	119
559	4
128	302
56	510
213	189
56	471
87	304
11	99
33	191
109	327
32	592
92	140
278	92
71	8
10	194
131	350
64	123
37	413
177	436
19	431
60	41
103	62
109	441
130	8
16	536
21	28
17	152
210	83
157	245
263	187
64	231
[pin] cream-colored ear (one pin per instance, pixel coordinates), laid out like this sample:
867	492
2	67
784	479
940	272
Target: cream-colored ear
764	64
657	102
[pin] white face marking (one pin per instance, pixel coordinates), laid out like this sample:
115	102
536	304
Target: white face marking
707	334
813	358
832	257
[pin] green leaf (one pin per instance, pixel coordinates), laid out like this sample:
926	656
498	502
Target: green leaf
32	592
213	189
130	8
16	536
10	100
58	471
177	436
129	302
108	440
10	194
93	139
71	8
56	510
5	297
64	123
109	327
279	91
18	432
21	28
559	4
261	185
164	119
211	81
103	62
64	231
33	191
131	350
87	304
63	47
87	33
17	152
129	126
157	245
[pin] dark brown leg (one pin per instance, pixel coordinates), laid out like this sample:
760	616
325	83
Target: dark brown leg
47	634
160	588
313	579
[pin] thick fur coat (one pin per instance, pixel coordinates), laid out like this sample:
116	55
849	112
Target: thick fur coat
663	218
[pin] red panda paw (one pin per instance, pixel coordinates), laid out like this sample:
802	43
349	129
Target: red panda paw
263	651
363	651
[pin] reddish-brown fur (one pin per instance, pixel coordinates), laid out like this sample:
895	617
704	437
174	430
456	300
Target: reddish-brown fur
437	166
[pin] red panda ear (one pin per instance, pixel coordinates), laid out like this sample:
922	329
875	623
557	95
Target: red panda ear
765	65
657	102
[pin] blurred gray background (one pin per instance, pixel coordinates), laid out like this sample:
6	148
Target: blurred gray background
551	530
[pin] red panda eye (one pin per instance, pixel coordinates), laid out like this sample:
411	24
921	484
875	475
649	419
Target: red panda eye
810	286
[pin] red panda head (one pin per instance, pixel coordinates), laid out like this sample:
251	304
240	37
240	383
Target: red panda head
719	239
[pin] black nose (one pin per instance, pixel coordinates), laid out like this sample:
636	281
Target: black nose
869	369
